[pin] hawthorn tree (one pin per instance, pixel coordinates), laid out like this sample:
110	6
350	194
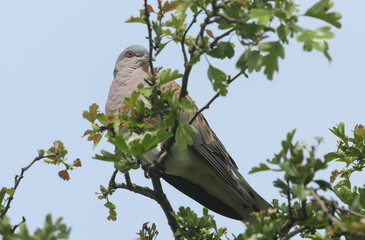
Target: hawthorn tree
205	28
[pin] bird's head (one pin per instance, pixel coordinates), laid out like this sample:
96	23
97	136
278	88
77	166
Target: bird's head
134	56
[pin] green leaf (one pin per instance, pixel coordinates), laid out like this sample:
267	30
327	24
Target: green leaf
251	60
320	11
107	156
119	142
136	149
323	184
339	131
287	143
263	15
91	115
300	191
271	60
313	38
124	165
2	194
261	167
218	78
182	136
332	155
280	184
133	19
146	92
222	50
41	152
166	76
150	141
112	213
186	105
102	118
283	32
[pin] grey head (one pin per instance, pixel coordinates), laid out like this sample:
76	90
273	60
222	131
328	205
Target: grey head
135	56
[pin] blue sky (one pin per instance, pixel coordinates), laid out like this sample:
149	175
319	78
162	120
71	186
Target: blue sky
57	58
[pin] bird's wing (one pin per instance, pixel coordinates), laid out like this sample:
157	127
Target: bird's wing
214	154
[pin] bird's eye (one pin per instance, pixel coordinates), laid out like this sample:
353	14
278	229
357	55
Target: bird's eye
129	54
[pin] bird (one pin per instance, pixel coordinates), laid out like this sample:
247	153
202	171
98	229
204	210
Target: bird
204	171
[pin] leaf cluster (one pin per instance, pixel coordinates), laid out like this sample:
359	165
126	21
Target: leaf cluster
305	211
56	155
50	231
194	227
147	232
250	22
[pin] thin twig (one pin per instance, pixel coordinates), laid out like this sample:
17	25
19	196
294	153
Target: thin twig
17	225
189	65
149	29
184	36
112	179
220	37
323	206
18	178
206	106
293	233
145	191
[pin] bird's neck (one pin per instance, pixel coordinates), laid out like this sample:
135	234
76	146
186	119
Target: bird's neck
124	83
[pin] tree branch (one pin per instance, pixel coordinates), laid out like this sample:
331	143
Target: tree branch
17	225
293	233
188	66
18	178
220	37
206	106
184	37
323	206
164	202
149	29
342	227
156	194
345	210
145	191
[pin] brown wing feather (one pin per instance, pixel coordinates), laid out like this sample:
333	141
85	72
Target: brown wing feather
207	144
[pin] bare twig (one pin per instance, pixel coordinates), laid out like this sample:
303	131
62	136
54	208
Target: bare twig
18	178
17	225
149	29
206	106
145	191
293	233
323	206
220	37
189	65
